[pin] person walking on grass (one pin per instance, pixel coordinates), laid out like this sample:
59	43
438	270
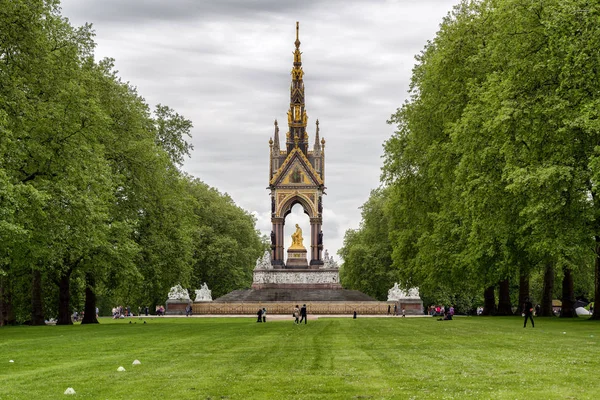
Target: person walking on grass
259	313
264	314
296	314
528	312
303	314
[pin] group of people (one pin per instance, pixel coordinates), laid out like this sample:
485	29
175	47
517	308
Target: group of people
160	310
262	315
120	312
444	312
75	317
390	310
299	314
440	310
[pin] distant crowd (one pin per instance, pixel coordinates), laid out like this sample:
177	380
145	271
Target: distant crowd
445	312
119	312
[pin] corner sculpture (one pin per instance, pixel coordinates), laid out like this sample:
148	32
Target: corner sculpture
178	293
264	262
395	293
204	293
178	299
329	262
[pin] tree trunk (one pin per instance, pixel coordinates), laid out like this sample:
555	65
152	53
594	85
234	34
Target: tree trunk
547	291
504	307
7	315
596	314
89	316
37	311
489	301
64	297
568	296
523	289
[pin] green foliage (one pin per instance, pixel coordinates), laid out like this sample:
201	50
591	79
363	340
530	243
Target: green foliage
494	166
367	252
90	191
226	242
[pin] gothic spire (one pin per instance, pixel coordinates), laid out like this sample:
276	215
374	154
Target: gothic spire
297	117
317	146
276	137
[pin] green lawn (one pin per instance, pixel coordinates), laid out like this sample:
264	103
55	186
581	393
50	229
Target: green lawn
367	358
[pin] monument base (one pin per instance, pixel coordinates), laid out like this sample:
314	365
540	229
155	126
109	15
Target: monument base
283	300
296	258
287	307
410	306
176	307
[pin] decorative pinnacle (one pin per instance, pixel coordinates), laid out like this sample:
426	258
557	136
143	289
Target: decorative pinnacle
270	141
297	42
296	140
275	123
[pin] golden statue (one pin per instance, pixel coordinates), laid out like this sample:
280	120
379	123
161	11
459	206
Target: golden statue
297	239
289	116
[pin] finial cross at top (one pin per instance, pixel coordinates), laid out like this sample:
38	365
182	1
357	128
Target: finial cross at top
297	43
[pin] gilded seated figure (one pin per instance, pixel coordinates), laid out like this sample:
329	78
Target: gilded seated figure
297	239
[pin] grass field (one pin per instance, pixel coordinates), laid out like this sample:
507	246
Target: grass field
335	358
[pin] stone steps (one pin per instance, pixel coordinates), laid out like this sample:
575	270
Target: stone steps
299	295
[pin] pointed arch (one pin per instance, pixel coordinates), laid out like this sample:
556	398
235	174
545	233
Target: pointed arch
290	202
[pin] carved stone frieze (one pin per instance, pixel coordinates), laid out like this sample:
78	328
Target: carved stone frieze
296	277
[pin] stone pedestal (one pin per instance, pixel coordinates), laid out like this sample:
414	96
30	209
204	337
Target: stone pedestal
410	306
296	259
176	307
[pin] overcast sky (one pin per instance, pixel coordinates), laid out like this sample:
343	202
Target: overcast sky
226	66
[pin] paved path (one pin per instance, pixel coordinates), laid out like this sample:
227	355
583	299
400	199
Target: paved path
279	317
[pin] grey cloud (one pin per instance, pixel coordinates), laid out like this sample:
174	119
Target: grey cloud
118	11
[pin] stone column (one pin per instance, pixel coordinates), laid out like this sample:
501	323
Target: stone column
315	247
277	251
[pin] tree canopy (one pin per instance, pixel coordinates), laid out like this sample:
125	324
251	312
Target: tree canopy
491	176
94	208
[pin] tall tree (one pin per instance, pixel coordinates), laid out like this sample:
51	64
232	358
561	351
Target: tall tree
367	253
